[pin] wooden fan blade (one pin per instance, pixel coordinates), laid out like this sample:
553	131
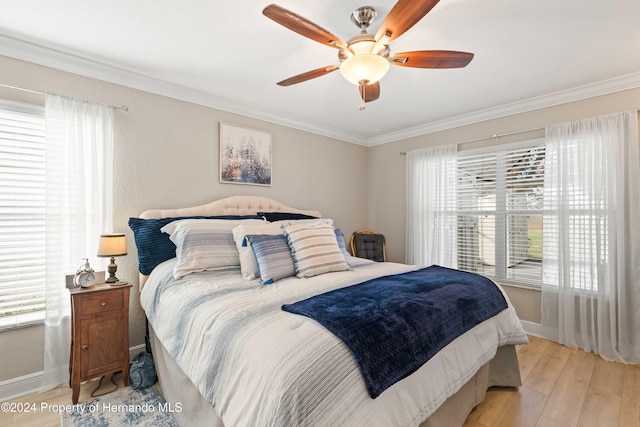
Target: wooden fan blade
308	75
404	15
370	92
302	26
432	59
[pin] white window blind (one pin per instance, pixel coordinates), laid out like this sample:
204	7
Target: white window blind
500	213
22	214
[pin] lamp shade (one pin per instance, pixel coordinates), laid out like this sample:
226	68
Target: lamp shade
367	68
112	245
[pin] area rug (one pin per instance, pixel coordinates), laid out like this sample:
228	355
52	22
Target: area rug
124	407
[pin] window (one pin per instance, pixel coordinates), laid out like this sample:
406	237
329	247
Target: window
22	214
499	211
576	241
543	212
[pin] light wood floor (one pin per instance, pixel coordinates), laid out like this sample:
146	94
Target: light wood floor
561	387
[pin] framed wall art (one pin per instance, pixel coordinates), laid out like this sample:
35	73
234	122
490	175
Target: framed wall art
245	155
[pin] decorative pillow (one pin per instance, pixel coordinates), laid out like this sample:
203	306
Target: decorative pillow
273	257
204	244
154	246
280	216
341	244
248	263
315	249
307	222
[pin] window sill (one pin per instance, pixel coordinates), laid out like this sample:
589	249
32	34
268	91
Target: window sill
528	287
21	321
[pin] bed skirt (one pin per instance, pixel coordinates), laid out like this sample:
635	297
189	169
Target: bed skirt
502	370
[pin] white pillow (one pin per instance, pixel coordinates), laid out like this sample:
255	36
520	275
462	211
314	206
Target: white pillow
248	262
204	244
315	249
308	222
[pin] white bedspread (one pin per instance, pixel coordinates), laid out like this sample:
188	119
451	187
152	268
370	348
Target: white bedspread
261	366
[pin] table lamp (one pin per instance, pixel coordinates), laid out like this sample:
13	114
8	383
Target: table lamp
112	245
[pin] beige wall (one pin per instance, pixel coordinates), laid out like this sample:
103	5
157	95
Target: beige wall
387	173
166	155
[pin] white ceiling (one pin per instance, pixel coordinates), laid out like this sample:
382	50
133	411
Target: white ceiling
528	54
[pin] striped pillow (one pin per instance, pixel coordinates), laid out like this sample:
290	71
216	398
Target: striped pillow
273	256
315	249
154	246
204	244
248	263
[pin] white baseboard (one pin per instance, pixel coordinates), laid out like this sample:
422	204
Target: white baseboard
30	383
133	351
532	328
20	386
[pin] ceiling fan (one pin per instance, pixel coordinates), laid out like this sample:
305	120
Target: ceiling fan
365	58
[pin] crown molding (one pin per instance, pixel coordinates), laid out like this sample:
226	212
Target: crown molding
76	64
605	87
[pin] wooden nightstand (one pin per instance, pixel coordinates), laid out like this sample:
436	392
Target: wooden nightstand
99	334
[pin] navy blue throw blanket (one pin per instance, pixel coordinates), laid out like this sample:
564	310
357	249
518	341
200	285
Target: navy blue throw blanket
394	324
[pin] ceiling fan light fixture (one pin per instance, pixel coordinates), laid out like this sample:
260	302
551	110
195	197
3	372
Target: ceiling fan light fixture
365	58
365	67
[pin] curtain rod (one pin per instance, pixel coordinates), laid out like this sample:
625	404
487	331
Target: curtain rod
122	108
494	136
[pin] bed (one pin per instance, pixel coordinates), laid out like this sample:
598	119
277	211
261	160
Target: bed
228	355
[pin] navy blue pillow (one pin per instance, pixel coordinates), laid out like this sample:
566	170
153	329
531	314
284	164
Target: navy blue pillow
154	246
280	216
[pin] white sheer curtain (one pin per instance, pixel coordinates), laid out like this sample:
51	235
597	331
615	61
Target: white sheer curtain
431	205
591	242
79	138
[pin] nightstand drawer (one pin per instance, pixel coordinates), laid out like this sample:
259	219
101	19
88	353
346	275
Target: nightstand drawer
102	303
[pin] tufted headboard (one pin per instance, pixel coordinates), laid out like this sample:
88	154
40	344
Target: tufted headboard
234	205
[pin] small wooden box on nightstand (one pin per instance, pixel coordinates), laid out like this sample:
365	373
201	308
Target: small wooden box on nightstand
99	333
